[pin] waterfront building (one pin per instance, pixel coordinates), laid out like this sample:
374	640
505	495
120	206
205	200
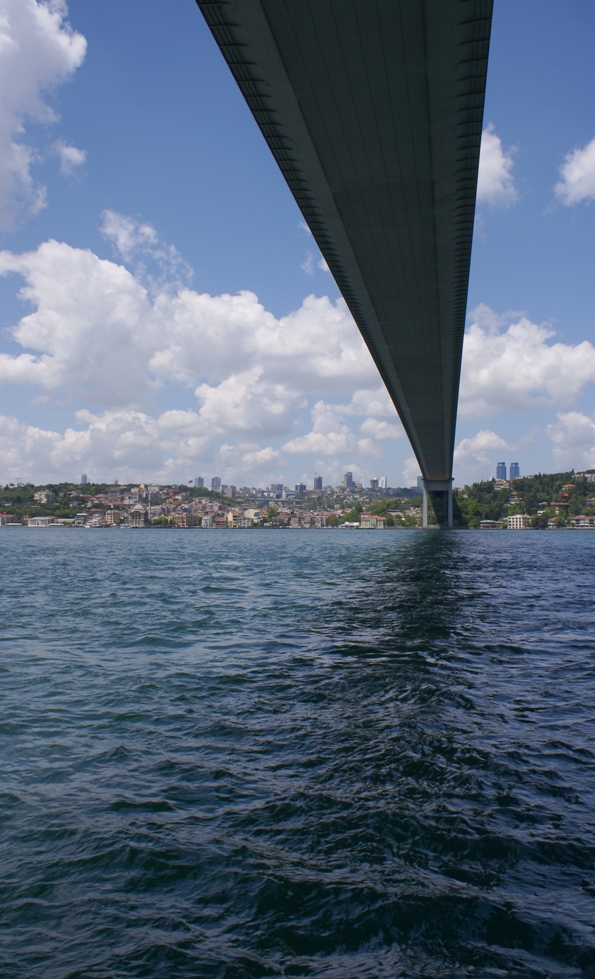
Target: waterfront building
582	522
207	521
515	472
244	522
137	516
186	519
112	518
369	521
40	521
96	520
489	525
518	521
501	471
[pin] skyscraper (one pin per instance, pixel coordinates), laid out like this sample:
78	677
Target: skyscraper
348	481
301	487
383	483
373	483
515	472
501	470
84	479
318	484
216	484
198	481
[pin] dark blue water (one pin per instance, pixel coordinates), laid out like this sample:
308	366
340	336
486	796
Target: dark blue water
244	754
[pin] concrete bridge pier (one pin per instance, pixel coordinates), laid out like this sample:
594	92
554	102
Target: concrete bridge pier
443	486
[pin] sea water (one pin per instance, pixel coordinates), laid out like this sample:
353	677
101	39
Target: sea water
297	753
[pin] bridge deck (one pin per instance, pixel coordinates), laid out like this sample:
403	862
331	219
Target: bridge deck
373	110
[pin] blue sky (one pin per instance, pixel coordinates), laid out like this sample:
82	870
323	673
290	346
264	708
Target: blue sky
164	312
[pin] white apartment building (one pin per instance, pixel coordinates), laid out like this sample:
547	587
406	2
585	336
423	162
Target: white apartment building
518	521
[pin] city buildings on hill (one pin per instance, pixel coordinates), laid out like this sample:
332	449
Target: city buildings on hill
554	501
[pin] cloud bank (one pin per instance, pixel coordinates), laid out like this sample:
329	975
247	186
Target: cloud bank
255	393
111	339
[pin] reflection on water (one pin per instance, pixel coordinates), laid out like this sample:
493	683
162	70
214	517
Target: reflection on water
310	754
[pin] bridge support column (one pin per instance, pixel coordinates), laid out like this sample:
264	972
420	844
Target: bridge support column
443	486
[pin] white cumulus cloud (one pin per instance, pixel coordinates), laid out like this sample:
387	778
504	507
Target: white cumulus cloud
474	451
97	333
70	156
577	174
331	436
111	338
510	363
92	329
125	443
573	436
245	403
495	181
38	51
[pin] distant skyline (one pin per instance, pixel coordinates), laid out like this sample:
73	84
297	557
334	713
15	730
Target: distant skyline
166	313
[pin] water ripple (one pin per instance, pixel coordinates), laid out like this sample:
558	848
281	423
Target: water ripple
315	754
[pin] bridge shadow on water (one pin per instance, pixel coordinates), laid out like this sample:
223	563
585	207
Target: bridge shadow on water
435	810
422	834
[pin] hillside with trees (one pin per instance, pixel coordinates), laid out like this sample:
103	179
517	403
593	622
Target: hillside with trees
545	496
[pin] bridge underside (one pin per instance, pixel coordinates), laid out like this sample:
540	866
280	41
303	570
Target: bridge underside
373	110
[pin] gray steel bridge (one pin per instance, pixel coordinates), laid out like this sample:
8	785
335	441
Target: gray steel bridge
373	110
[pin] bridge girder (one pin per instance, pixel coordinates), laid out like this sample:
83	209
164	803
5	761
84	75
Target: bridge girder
373	110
